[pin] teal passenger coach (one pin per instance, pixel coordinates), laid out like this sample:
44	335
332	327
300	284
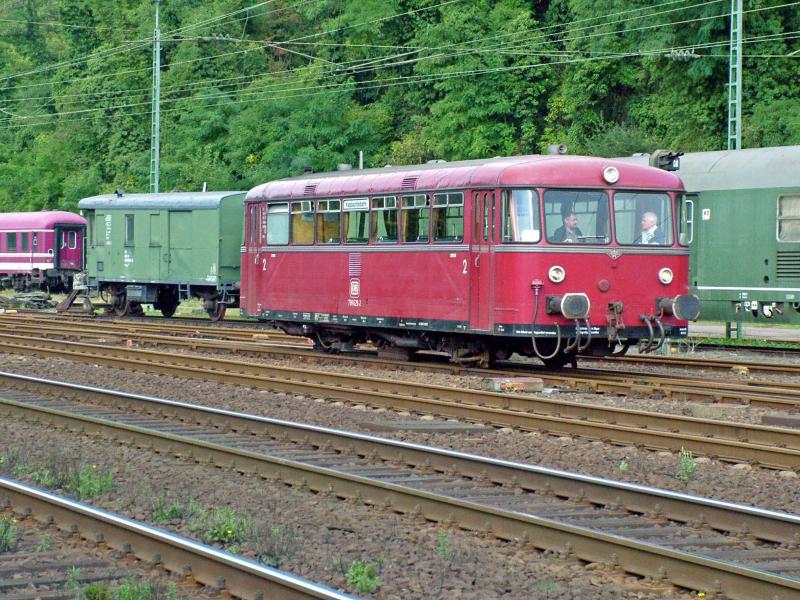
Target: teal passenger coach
163	249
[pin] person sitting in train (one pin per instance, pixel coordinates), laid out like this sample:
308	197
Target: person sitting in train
569	232
650	233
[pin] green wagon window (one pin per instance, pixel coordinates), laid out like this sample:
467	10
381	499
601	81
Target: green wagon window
302	222
416	218
11	242
25	242
329	215
384	219
789	218
129	230
448	217
278	224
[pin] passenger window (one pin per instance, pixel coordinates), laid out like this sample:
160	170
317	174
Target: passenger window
11	242
521	216
577	216
789	218
329	216
73	240
643	218
302	222
253	224
448	217
384	220
416	218
128	230
278	224
25	242
686	221
487	198
355	213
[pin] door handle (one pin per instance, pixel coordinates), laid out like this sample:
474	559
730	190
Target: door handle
477	261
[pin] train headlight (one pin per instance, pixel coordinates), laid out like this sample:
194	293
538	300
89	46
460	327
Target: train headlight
611	174
665	276
556	274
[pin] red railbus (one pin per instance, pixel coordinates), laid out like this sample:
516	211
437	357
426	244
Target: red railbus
547	256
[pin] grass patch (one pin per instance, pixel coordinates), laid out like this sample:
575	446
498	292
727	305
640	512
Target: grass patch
162	512
218	525
686	466
361	577
8	535
273	545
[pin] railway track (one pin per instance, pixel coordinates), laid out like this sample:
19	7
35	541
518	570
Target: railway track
737	442
221	571
671	538
783	396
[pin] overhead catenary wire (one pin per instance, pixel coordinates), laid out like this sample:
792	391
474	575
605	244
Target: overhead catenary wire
482	50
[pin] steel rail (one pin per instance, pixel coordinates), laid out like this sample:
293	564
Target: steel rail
785	396
227	573
740	442
689	569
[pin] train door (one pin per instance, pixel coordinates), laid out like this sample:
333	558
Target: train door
252	267
155	248
180	236
483	210
70	247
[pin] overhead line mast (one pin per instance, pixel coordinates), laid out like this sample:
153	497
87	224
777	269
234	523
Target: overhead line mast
155	129
735	78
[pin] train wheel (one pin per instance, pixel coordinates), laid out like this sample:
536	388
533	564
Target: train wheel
168	310
120	305
218	312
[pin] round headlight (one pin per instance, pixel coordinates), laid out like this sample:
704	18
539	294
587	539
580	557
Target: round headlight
665	276
556	274
611	174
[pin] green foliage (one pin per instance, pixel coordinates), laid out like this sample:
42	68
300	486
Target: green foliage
686	466
361	577
8	536
273	545
219	525
96	591
44	544
444	549
624	465
163	512
404	81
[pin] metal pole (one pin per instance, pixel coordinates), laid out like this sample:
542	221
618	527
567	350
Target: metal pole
155	130
735	78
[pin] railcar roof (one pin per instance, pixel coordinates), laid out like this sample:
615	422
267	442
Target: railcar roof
43	219
776	167
535	170
167	201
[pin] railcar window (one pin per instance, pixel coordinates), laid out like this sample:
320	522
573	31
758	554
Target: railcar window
278	224
416	218
686	219
73	240
155	230
129	230
384	219
521	221
11	242
576	216
355	216
253	222
643	218
789	218
25	242
302	222
329	217
448	217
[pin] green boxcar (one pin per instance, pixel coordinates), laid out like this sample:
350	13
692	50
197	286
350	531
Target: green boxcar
745	261
162	249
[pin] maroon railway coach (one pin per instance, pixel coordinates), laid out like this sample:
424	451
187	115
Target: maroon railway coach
472	258
40	250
